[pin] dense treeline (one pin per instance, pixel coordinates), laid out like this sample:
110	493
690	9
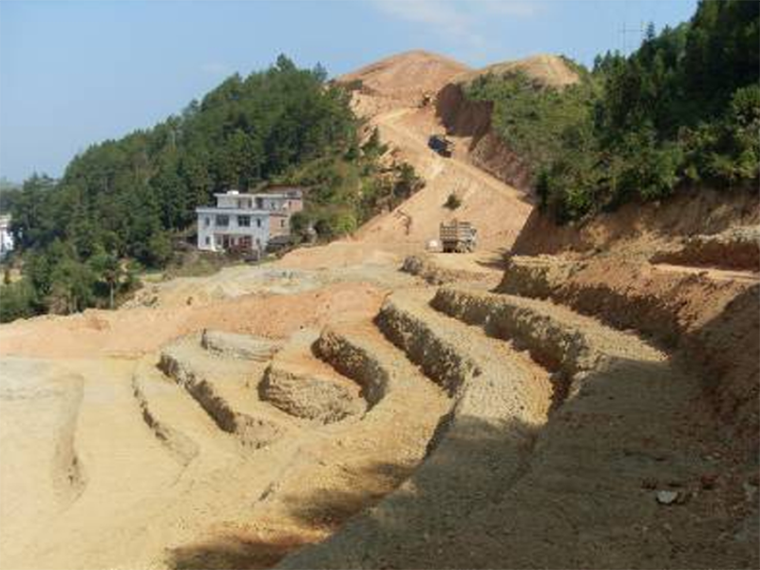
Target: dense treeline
8	191
122	201
684	108
530	115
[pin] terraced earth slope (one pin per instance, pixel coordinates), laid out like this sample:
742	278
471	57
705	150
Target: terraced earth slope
589	400
184	451
617	474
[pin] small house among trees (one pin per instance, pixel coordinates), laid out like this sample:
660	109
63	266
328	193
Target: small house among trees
6	237
246	222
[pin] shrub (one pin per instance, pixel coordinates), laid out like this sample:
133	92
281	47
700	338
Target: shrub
453	201
332	224
17	301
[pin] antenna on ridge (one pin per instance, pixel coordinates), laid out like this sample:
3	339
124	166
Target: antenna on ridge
625	31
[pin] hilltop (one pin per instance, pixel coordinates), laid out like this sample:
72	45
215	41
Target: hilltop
406	76
545	69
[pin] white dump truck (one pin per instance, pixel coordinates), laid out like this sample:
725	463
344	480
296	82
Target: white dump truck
458	237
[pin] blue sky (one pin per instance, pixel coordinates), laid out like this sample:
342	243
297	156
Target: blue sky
75	73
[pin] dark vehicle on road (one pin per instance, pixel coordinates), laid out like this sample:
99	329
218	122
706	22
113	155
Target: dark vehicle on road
441	145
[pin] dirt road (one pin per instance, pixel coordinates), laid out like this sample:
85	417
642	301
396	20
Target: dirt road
496	209
712	273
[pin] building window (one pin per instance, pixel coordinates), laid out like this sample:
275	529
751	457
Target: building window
207	221
222	220
259	203
208	239
244	221
258	222
282	223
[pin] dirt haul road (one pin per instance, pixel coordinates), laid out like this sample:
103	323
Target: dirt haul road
497	210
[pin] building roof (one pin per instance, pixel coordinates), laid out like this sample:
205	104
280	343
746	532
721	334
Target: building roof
272	191
239	211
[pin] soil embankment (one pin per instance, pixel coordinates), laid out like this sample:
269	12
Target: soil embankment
705	309
470	122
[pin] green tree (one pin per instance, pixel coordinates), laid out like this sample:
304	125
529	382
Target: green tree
108	272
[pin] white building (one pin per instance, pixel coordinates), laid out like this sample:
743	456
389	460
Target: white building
246	222
6	238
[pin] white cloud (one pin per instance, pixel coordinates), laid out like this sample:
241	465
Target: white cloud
458	20
446	18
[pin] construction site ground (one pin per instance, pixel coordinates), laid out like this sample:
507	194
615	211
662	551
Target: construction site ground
562	408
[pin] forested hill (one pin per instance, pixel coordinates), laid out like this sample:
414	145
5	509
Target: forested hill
682	110
124	199
123	195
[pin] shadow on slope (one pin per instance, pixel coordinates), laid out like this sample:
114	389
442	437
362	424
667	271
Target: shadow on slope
578	492
233	552
726	350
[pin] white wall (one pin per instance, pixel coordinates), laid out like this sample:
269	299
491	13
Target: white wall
6	238
209	230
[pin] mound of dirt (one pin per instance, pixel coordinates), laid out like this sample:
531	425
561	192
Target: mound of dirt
545	69
642	230
405	76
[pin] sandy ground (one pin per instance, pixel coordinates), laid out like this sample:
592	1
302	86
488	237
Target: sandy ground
548	69
88	481
132	333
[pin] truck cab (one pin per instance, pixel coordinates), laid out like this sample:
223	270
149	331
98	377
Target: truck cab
441	145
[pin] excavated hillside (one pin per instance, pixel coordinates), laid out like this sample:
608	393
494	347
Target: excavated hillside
470	121
401	80
400	102
566	397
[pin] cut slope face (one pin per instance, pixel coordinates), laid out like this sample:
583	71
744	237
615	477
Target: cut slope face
471	120
703	301
397	95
